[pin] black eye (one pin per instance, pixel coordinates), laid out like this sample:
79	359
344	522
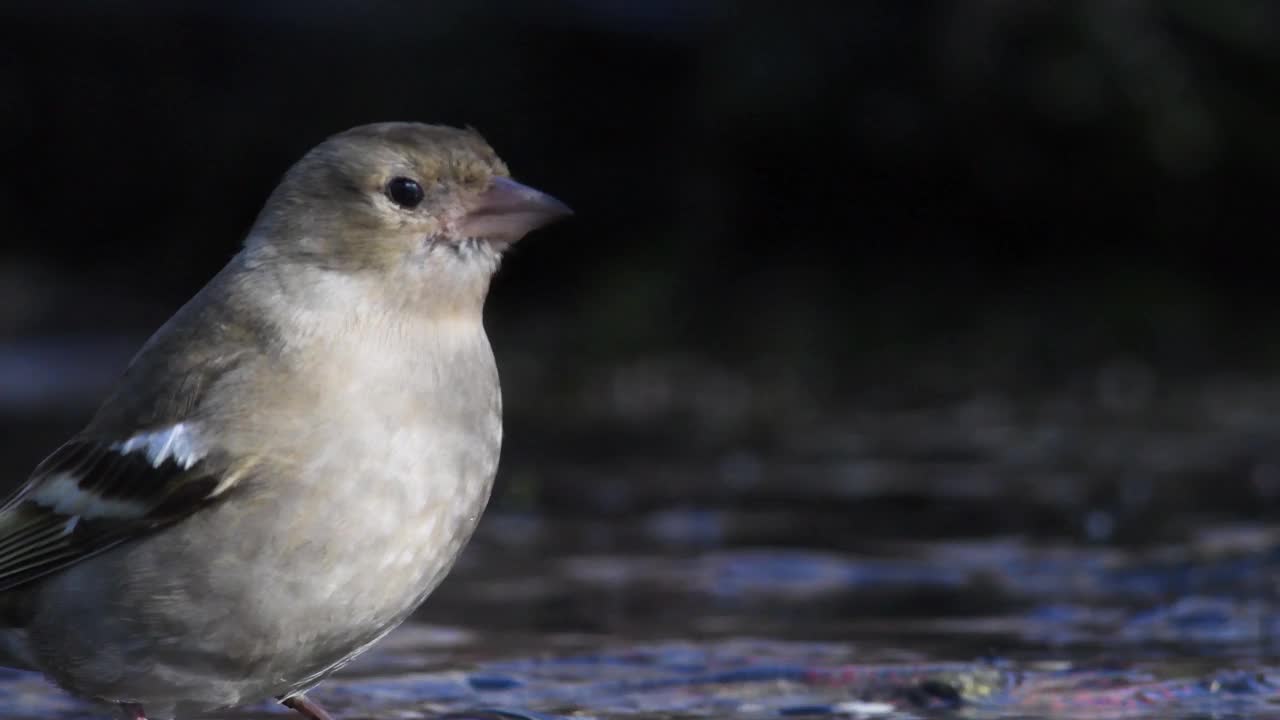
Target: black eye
405	192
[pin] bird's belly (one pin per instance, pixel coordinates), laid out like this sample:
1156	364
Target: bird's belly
299	589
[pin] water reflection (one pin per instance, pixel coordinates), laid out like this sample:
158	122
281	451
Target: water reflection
993	555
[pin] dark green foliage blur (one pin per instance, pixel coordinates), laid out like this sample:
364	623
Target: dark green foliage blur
788	214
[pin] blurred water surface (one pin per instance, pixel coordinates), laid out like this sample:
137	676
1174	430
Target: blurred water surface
903	359
681	542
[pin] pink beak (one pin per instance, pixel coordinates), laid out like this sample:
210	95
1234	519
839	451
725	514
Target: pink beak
507	211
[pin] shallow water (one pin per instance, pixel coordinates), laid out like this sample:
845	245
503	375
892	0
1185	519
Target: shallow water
1104	548
983	629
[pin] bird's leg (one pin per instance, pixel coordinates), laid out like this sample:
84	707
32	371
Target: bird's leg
132	711
306	707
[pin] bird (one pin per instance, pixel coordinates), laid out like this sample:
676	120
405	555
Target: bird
295	459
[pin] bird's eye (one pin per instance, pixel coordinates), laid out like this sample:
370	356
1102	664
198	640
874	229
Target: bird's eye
405	192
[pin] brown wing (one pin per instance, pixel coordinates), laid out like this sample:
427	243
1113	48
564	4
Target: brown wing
90	496
144	461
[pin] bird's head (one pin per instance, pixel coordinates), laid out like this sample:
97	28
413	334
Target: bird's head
424	204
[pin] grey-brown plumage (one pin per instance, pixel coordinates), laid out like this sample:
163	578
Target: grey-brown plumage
293	462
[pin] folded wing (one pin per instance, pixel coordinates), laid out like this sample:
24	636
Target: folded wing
91	495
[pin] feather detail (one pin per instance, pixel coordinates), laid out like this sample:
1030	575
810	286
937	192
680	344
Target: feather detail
91	495
176	443
63	494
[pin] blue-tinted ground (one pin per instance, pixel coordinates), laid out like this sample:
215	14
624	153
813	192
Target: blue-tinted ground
976	629
909	358
680	540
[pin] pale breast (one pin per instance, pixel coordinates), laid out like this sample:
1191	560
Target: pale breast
368	444
402	445
393	438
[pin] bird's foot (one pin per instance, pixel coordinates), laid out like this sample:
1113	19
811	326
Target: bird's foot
306	707
132	711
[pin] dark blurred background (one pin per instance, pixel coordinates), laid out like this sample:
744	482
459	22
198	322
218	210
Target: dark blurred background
838	269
